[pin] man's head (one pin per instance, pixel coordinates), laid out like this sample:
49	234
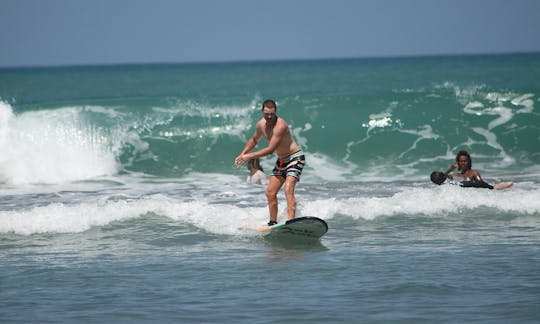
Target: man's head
269	109
269	103
437	177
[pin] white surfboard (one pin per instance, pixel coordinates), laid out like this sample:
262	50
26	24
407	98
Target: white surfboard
308	227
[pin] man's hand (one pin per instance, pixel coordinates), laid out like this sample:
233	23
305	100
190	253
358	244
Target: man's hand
239	160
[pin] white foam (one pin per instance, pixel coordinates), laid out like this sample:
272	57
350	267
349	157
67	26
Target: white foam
192	109
234	129
60	218
301	140
424	133
228	214
476	108
491	139
382	122
463	95
76	218
478	102
222	120
6	119
52	146
328	168
500	99
382	119
473	108
449	199
504	115
526	101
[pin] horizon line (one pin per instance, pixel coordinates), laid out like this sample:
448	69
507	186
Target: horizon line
240	61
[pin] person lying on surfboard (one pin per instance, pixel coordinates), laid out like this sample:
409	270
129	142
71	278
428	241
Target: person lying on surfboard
290	162
468	177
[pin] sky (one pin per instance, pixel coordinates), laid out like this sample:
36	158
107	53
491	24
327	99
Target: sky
73	32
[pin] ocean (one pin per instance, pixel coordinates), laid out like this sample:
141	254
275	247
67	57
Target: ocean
119	201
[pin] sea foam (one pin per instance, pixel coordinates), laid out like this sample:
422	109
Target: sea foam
236	215
52	146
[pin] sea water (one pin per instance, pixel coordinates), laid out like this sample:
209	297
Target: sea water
119	201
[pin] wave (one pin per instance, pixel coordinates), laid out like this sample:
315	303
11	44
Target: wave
54	146
403	134
235	211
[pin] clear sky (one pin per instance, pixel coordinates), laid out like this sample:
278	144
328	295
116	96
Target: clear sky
66	32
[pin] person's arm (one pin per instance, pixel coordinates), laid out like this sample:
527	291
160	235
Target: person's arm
277	135
272	145
476	176
450	169
250	144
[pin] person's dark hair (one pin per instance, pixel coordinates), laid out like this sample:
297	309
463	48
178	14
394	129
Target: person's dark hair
464	153
269	103
437	177
255	163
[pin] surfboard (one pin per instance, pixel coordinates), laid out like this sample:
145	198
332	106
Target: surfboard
308	227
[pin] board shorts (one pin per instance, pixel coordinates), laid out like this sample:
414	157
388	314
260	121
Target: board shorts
290	166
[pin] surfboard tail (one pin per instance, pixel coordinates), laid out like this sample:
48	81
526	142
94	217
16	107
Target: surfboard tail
262	228
265	228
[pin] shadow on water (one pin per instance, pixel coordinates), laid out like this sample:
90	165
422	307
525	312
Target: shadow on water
295	243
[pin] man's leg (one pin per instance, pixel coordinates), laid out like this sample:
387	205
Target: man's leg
274	184
290	185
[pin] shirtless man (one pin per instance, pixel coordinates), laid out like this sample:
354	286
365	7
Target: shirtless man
290	162
468	177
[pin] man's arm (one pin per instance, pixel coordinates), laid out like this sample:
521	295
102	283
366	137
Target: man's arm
272	145
277	136
250	144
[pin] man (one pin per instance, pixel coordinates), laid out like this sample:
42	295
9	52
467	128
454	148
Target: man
468	177
290	162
